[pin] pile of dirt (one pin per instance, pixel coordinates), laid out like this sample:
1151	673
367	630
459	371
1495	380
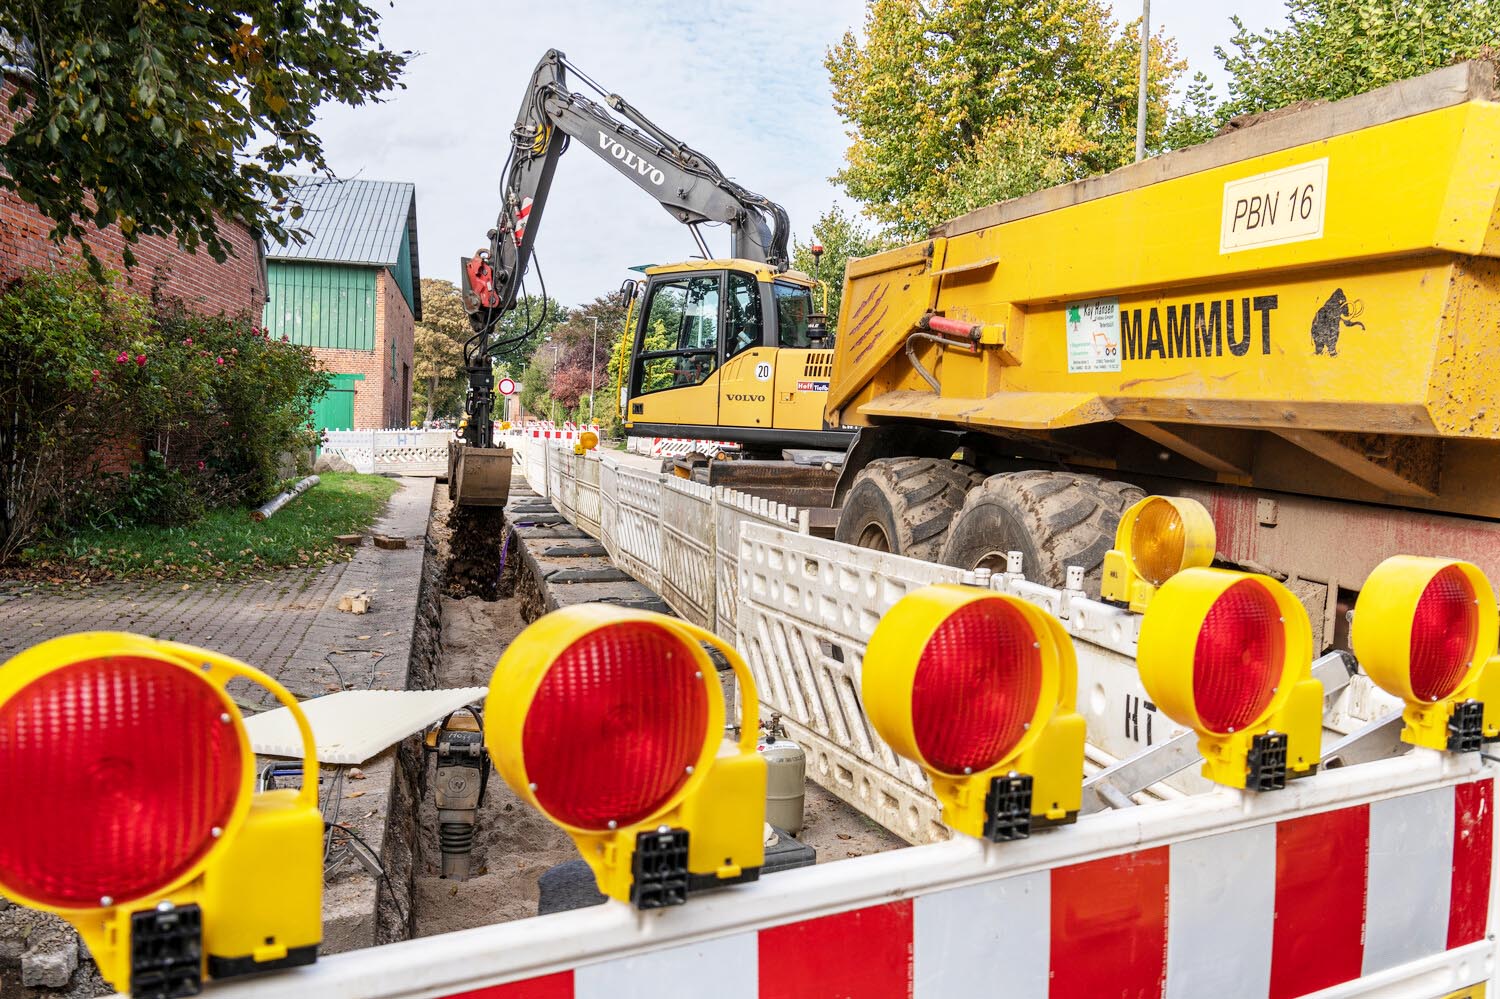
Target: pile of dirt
474	538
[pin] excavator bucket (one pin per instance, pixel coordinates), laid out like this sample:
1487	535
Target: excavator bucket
478	476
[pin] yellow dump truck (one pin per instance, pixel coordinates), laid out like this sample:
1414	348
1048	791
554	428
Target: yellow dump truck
1297	324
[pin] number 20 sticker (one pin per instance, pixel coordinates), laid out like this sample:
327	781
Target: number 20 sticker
763	371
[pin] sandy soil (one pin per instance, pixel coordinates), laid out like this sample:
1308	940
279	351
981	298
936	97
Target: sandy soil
514	845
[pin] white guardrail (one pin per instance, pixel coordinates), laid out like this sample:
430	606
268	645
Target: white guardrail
801	610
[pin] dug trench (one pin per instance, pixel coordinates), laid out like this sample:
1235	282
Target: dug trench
486	590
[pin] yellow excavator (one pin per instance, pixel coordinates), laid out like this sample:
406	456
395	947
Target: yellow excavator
726	348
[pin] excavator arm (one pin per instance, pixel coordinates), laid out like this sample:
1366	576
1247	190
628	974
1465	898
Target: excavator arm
686	183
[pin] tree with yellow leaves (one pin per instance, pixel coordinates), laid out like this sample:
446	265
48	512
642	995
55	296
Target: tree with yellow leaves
954	104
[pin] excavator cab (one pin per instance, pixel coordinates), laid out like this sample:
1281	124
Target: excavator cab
722	350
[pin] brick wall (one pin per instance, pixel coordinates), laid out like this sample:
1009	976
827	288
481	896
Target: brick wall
196	278
394	327
379	402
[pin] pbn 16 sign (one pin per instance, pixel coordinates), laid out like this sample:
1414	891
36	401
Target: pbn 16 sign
1269	209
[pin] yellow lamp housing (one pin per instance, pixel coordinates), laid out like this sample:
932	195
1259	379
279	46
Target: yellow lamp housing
1425	631
126	779
587	441
610	721
1229	654
1158	537
978	688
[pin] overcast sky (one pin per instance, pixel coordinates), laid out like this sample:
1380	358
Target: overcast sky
743	80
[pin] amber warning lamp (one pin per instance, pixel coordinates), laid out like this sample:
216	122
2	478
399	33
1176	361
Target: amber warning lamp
978	688
126	782
1158	537
1229	654
1424	629
610	721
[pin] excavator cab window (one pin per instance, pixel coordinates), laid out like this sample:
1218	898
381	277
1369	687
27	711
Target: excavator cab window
793	306
679	334
742	326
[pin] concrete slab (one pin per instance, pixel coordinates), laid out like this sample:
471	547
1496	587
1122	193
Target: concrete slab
575	549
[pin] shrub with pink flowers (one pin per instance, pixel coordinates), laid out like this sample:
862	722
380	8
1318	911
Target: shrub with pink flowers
211	404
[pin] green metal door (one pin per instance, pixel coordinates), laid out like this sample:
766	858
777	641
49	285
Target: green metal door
335	411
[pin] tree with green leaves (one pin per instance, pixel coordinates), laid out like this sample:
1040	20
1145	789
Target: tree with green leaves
168	118
583	361
1331	49
952	104
1193	119
526	327
438	359
841	236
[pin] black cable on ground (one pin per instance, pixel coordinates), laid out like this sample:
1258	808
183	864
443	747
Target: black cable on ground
395	900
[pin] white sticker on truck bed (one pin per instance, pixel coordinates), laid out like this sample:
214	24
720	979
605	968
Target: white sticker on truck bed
1093	335
1269	209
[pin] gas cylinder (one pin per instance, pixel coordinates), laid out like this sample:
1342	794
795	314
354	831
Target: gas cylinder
786	777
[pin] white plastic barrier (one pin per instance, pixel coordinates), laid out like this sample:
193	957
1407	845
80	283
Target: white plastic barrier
587	503
535	467
562	481
637	541
687	548
393	452
609	507
731	510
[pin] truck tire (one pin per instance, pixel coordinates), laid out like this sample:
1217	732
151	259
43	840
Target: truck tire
1054	519
905	505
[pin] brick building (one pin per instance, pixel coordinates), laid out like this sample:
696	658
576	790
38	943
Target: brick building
351	291
236	286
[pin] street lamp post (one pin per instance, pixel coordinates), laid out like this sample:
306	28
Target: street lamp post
593	365
553	346
1140	107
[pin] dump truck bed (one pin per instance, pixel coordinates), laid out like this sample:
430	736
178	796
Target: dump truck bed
1311	304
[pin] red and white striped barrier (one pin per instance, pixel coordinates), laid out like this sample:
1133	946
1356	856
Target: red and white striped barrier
670	447
1371	880
568	433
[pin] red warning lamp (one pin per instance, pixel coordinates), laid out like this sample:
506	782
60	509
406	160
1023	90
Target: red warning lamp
127	786
645	707
611	722
1238	658
1425	630
978	689
1229	654
102	805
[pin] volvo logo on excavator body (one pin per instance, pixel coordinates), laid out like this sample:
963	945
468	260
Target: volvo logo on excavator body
631	160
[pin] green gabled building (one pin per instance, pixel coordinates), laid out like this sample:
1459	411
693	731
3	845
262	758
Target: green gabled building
352	292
